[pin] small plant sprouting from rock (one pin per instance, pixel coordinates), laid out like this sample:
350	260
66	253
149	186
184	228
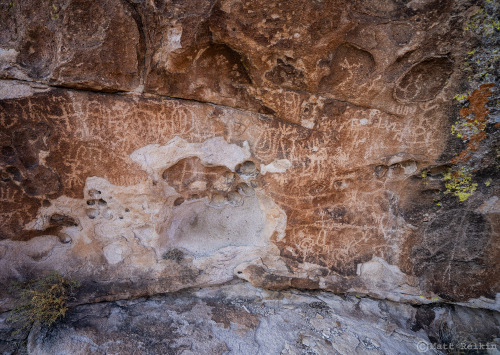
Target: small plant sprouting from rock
41	301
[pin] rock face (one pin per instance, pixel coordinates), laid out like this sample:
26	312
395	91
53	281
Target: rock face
239	319
153	146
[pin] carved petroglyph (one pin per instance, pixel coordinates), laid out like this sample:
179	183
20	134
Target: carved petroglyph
308	154
444	256
349	69
320	117
132	225
424	80
249	180
404	110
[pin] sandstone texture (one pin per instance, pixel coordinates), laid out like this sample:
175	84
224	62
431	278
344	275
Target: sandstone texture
151	147
239	319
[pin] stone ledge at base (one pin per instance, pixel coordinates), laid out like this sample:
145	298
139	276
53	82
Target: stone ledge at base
240	319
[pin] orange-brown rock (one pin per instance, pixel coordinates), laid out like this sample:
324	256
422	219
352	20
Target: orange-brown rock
300	145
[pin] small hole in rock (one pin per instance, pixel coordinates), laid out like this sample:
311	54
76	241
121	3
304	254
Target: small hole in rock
234	198
62	220
4	176
245	189
178	201
91	213
94	193
91	202
127	210
7	151
101	202
12	170
65	239
217	200
15	172
247	168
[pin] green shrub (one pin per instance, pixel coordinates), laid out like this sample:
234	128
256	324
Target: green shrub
41	301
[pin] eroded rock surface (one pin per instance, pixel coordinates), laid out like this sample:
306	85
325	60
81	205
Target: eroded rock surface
301	145
239	319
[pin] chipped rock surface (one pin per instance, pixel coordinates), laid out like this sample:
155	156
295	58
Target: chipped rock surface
149	147
239	319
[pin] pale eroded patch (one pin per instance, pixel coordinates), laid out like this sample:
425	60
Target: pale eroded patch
128	229
11	89
154	158
277	166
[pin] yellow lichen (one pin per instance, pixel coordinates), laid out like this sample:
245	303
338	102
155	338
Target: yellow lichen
460	184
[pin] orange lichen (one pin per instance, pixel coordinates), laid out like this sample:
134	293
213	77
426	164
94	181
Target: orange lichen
474	118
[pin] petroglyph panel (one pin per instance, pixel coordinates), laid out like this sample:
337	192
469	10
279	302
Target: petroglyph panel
94	138
424	81
73	43
302	144
319	175
349	69
444	257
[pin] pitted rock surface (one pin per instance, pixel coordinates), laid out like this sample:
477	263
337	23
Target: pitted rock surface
154	146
